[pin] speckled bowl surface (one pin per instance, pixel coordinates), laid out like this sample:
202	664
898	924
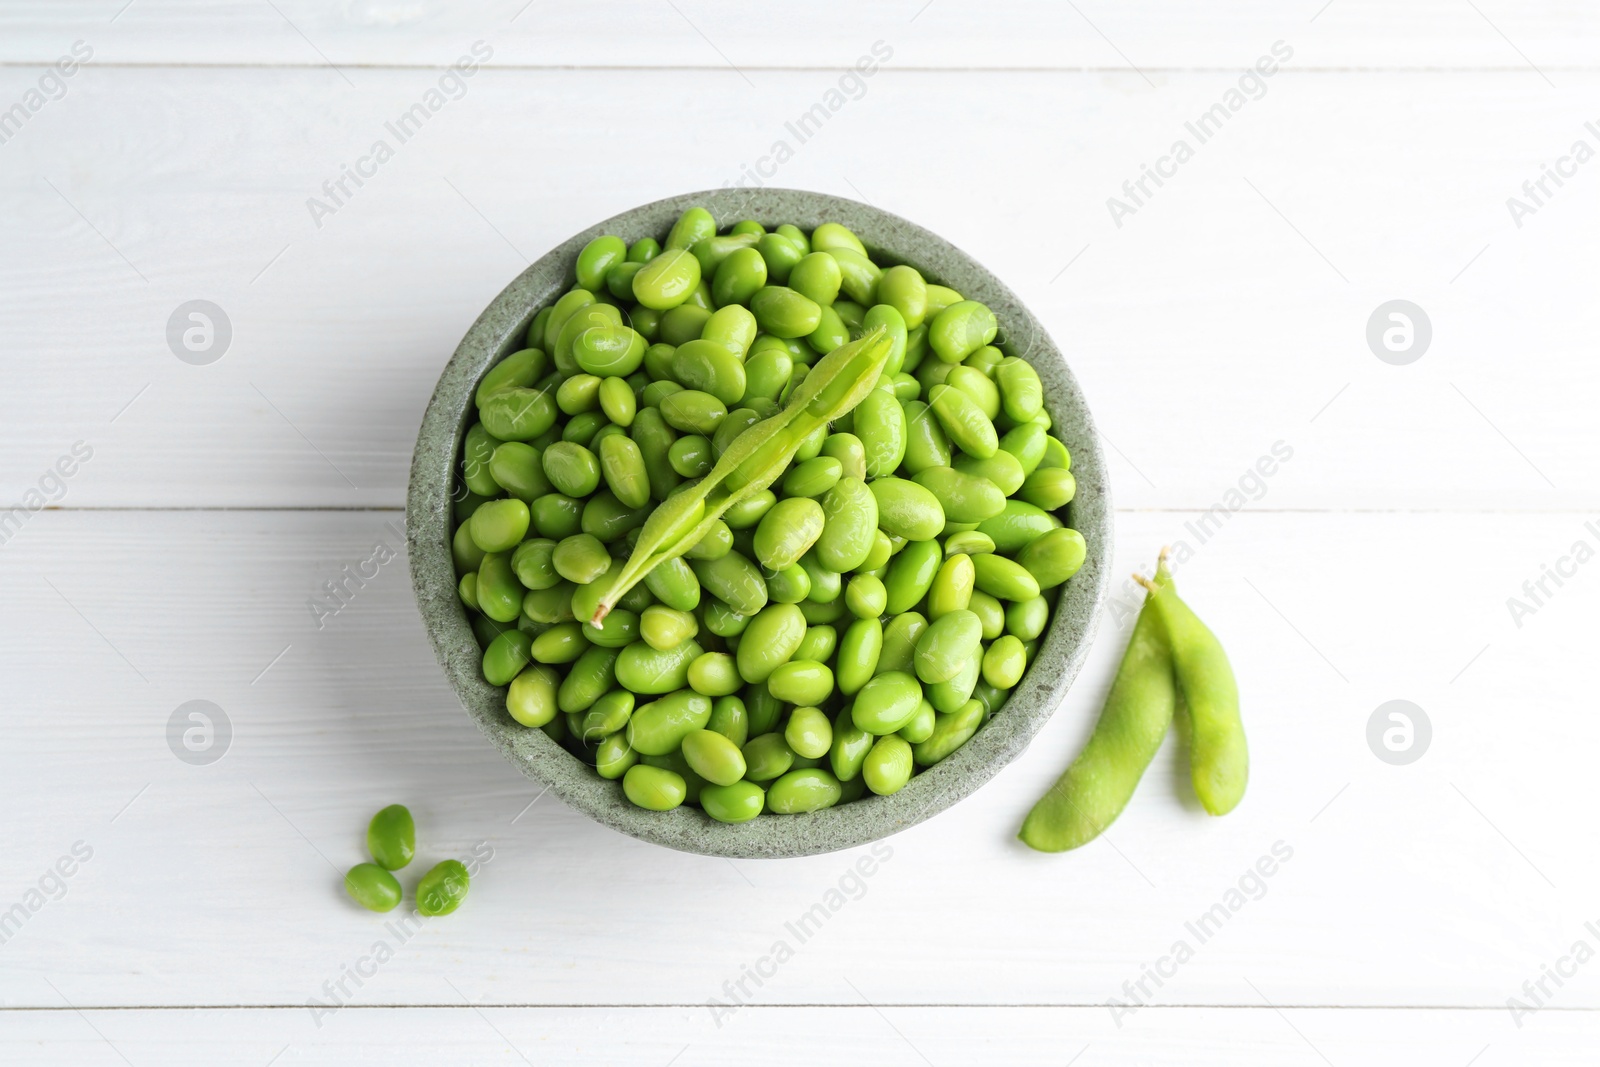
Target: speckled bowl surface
500	330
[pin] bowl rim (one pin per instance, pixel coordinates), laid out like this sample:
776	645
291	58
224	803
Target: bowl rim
498	330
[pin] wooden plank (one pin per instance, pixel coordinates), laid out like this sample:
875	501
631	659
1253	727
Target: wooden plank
1144	34
1227	314
1448	882
1253	1037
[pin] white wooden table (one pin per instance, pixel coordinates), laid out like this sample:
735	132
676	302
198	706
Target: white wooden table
207	504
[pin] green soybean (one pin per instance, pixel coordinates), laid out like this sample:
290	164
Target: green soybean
803	790
374	888
887	768
735	803
443	888
654	788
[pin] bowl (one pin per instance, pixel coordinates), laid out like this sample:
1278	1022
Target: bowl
500	329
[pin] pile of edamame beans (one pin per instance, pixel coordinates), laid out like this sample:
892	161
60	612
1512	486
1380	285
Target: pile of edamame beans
759	523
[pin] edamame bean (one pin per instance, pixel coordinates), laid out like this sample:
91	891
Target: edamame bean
443	888
693	411
738	276
963	422
734	580
531	699
392	837
609	349
713	757
809	733
865	596
1026	618
654	788
903	288
1004	578
622	464
1027	444
1054	556
900	639
608	716
664	628
580	558
813	477
714	674
1004	662
948	643
800	681
783	312
850	452
1049	488
950	732
880	424
518	468
911	575
888	766
477	450
562	643
1017	526
659	727
613	757
711	368
990	612
533	564
372	887
506	656
651	671
787	531
735	803
1002	468
976	385
850	510
766	757
667	280
927	444
961	329
499	525
521	368
886	703
920	728
770	639
906	509
803	790
964	497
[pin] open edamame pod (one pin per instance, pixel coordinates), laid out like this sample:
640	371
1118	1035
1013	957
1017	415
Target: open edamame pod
754	460
1219	760
1092	792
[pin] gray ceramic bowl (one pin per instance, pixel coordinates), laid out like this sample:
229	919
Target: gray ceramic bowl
500	329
